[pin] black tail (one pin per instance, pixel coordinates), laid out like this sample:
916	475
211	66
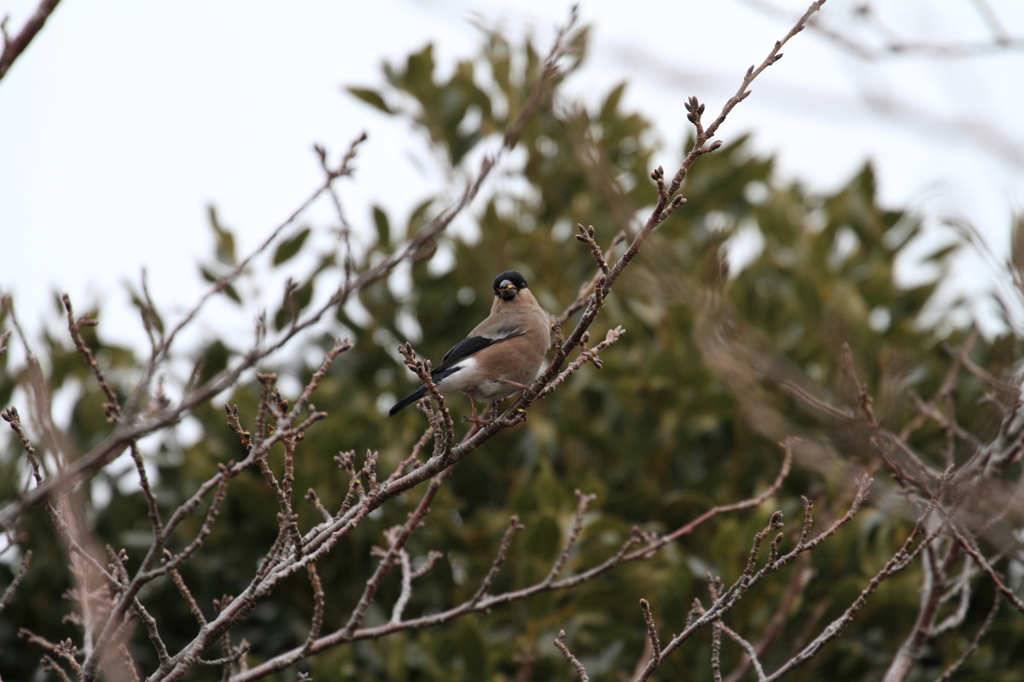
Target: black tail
407	401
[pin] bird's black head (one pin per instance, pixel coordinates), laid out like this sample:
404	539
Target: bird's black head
508	284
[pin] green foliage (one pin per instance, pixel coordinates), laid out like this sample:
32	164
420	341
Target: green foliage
666	430
289	247
224	256
225	240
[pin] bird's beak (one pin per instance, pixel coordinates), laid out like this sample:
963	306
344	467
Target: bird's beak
507	290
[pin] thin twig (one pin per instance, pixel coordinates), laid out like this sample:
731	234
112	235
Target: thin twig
577	527
8	594
747	647
186	594
485	603
112	408
573	661
892	46
513	526
898	562
986	567
318	606
13	47
973	646
652	630
397	544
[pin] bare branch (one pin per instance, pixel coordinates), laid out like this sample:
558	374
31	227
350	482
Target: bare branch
48	665
147	490
898	562
577	527
368	490
935	573
11	416
444	428
728	599
801	576
8	594
406	594
186	594
318	606
128	663
481	602
133	428
112	408
747	647
973	646
715	588
229	659
972	549
889	45
513	526
652	630
397	544
13	47
560	643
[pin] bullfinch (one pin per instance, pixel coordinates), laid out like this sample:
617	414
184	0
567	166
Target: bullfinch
502	355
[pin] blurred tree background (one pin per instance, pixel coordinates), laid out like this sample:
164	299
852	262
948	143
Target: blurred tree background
753	285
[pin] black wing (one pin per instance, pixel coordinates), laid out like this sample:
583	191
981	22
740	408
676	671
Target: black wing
408	400
462	350
472	345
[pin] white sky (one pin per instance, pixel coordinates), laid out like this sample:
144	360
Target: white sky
125	119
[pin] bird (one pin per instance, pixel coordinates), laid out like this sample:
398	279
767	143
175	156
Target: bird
501	355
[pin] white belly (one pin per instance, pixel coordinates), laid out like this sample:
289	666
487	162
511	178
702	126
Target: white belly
471	381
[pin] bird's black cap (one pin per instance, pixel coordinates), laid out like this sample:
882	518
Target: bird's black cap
511	276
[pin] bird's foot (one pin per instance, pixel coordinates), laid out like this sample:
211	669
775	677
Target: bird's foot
492	414
473	418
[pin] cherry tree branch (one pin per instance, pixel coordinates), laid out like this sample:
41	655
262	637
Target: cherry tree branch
14	47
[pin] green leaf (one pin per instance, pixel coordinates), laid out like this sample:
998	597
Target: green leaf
228	289
147	312
942	254
214	359
224	240
295	302
419	67
371	97
611	103
380	218
499	56
288	248
231	293
418	218
1017	242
